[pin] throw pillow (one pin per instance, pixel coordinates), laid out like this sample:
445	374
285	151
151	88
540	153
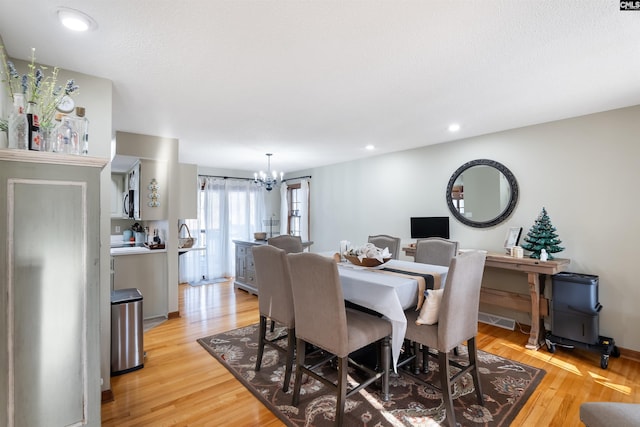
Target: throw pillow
430	308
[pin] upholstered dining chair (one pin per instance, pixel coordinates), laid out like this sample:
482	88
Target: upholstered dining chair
436	251
290	244
457	321
385	241
322	321
275	302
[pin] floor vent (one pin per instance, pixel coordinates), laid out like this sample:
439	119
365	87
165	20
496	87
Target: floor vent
492	319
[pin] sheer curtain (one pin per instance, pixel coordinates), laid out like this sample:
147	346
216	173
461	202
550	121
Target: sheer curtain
304	210
284	209
228	209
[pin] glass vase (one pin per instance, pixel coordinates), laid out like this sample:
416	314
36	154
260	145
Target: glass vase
48	136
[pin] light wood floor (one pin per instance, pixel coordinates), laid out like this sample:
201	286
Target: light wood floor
182	385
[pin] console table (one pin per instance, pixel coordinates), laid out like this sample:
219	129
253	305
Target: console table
245	271
536	303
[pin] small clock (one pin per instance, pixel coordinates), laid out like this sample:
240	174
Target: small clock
66	104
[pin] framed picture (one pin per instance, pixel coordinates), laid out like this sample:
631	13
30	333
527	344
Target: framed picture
513	236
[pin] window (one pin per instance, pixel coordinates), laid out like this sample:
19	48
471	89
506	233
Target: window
294	202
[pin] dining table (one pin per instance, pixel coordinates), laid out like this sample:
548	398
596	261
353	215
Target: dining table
389	290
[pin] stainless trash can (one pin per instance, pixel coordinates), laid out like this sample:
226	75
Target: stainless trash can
127	353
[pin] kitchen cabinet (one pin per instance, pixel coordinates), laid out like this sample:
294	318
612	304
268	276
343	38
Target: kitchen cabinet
49	289
187	191
148	273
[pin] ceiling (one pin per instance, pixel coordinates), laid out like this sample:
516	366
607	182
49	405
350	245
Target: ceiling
314	82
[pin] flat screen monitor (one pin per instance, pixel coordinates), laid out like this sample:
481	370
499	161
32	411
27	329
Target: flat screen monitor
431	226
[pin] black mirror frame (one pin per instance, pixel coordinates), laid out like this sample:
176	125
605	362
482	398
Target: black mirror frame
513	200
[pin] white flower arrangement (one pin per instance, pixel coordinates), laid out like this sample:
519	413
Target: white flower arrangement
369	250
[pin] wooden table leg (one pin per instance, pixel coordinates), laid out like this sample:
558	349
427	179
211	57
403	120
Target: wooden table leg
536	320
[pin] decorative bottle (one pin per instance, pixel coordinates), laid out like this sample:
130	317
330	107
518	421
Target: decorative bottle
67	138
55	136
82	128
34	126
18	124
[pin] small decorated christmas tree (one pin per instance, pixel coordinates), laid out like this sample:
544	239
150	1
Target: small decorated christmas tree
542	235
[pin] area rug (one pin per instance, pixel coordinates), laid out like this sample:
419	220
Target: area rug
506	386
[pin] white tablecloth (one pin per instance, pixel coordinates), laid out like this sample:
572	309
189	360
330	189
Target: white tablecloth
387	294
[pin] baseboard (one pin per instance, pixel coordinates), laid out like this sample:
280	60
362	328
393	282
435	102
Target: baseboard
629	354
173	315
107	396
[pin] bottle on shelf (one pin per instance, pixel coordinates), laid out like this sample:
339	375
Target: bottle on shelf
53	144
82	128
67	137
18	132
34	126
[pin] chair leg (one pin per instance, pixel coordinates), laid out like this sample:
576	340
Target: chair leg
475	372
343	363
445	386
262	330
291	342
386	361
425	359
300	356
414	362
273	325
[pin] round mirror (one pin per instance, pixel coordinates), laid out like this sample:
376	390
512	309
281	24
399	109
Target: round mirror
482	193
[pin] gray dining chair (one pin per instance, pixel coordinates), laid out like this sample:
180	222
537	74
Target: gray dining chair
385	241
323	321
457	322
290	244
275	302
435	251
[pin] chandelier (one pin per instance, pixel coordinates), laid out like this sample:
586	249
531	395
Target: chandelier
267	180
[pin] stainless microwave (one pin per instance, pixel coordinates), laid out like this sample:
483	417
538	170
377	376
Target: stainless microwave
131	196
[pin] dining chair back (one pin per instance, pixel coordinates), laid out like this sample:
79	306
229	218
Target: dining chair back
436	251
322	321
457	322
290	244
385	241
275	302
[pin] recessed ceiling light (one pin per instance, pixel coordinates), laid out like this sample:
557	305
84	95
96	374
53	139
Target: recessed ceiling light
76	20
370	147
454	127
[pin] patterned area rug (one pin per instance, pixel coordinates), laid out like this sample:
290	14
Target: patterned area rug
506	386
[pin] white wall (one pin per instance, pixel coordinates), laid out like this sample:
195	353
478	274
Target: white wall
583	170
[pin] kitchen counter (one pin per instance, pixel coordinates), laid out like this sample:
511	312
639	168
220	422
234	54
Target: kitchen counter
134	250
120	247
143	270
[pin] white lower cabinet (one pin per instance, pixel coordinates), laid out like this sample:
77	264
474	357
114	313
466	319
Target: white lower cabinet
148	273
49	289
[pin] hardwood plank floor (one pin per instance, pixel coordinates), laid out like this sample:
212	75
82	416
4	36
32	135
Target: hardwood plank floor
182	385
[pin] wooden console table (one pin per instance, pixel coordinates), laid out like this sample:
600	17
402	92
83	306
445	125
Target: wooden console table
536	304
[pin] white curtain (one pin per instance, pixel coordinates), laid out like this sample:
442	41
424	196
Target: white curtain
228	209
284	209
